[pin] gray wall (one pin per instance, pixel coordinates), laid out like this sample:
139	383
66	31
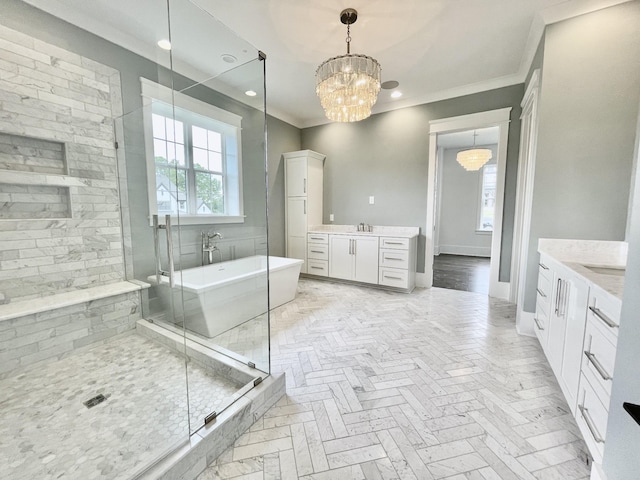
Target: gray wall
459	206
282	138
621	459
23	17
387	156
587	116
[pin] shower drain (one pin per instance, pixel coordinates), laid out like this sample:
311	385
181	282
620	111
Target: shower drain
92	402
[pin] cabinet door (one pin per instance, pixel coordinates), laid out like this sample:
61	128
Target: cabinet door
557	325
297	217
366	259
576	297
296	176
340	257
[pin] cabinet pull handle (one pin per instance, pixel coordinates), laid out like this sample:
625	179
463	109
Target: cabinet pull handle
304	185
587	419
350	243
394	243
538	324
317	268
393	258
304	202
558	286
598	313
544	267
598	366
564	299
316	238
317	251
355	246
392	278
541	293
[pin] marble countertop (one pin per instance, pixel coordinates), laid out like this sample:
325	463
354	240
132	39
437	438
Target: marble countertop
377	230
578	255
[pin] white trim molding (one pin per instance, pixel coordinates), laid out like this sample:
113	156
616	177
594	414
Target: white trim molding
494	118
524	200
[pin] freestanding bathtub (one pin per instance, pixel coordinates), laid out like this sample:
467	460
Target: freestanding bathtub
223	295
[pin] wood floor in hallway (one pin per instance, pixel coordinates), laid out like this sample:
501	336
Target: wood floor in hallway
460	272
430	385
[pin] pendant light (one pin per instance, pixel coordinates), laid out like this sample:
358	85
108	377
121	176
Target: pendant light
473	159
348	85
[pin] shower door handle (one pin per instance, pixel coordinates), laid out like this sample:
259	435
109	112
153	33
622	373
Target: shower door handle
156	247
172	281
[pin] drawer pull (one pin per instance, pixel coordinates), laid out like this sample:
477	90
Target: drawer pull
394	243
544	267
317	268
317	251
598	313
393	258
541	293
590	425
316	238
538	324
393	278
598	366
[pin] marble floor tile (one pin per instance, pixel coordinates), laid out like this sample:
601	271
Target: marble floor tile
428	385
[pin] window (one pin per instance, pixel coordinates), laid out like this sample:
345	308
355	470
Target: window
487	201
193	158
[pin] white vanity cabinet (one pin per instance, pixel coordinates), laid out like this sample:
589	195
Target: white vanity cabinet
600	342
397	262
318	254
354	257
303	172
564	323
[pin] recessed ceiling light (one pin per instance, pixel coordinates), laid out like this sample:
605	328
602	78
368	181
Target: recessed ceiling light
390	84
396	94
164	44
227	57
250	93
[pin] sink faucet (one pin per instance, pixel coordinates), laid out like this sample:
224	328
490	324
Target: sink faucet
208	247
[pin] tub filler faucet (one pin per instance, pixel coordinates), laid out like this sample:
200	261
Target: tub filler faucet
208	247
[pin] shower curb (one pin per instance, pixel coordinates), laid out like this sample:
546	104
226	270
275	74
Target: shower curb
206	445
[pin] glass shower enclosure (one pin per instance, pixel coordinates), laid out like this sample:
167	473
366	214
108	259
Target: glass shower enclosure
140	309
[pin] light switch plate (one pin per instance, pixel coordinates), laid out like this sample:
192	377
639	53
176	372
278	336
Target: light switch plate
372	200
331	217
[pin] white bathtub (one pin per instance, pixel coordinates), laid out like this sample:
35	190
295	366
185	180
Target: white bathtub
223	295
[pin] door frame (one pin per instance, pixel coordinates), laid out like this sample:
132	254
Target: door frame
524	202
493	118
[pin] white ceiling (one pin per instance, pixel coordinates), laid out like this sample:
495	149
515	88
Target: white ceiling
436	49
484	136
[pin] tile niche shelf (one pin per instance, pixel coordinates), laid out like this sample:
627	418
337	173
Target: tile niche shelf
34	180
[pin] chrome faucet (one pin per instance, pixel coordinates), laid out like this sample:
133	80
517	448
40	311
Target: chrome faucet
208	247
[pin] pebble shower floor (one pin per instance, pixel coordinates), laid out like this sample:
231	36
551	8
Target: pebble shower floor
46	432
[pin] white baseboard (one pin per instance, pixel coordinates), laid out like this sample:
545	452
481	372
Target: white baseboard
597	473
421	280
524	323
500	290
467	250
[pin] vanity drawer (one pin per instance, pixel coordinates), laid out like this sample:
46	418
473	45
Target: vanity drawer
591	416
392	277
599	359
541	324
317	251
394	258
605	311
318	238
394	243
318	267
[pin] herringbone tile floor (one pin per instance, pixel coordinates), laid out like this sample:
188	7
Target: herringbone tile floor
380	385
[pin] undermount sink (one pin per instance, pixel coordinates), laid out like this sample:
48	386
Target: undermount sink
617	271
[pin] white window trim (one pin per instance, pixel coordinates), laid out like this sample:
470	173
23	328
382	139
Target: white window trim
152	91
479	230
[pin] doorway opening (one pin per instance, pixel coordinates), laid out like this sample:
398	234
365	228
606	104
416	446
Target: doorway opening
490	183
465	211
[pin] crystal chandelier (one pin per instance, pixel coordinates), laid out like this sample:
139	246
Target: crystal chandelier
348	85
473	159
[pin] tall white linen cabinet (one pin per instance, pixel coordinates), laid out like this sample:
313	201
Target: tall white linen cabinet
303	172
